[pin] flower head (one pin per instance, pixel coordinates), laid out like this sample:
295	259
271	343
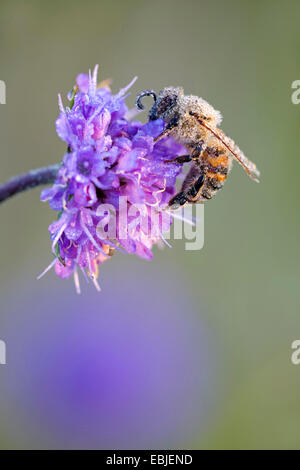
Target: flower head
112	167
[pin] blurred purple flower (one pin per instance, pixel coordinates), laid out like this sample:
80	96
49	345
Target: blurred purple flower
126	373
108	156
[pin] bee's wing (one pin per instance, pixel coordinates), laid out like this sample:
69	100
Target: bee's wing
248	166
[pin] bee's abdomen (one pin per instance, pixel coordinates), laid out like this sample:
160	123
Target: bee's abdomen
216	161
217	165
206	176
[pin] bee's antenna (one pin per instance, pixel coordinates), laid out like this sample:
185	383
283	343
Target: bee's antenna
142	94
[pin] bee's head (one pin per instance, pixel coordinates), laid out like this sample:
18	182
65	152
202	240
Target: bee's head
165	105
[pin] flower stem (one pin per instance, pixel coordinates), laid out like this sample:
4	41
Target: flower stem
33	178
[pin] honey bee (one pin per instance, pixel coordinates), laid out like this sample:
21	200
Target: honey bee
194	123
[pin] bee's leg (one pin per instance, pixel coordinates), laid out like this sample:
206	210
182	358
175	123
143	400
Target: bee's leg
177	201
163	134
195	154
172	124
192	192
180	159
198	149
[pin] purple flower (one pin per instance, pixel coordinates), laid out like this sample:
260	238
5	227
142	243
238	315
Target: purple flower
112	167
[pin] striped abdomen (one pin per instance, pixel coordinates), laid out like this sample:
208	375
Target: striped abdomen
215	163
206	176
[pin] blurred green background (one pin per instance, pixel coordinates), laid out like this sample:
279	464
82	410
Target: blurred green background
241	56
